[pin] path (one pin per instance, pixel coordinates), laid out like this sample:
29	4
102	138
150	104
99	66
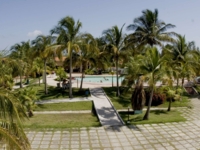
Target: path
63	100
105	111
163	136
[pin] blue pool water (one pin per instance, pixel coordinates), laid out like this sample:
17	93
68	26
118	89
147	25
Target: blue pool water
100	79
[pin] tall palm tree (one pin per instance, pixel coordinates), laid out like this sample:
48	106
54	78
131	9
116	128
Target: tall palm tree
37	68
88	51
19	52
43	49
114	43
67	31
179	55
150	65
148	29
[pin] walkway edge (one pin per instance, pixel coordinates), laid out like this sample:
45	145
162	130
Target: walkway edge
113	107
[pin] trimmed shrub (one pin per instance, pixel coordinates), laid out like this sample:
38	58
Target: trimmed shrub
157	98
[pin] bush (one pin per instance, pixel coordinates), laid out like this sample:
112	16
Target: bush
89	71
157	98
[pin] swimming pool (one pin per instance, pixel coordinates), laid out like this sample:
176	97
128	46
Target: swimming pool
100	79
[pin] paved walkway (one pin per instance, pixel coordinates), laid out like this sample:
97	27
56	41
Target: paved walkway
168	136
105	111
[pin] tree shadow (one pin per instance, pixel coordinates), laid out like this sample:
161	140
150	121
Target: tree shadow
158	112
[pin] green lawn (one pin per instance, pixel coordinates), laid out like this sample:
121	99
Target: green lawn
123	102
155	116
55	93
46	121
64	106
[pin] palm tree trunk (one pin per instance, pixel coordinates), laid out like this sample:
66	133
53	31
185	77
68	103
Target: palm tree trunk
20	77
39	81
146	116
117	73
169	106
177	85
81	67
182	82
81	80
45	77
112	80
70	76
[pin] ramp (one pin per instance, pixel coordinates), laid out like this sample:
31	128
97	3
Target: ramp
106	113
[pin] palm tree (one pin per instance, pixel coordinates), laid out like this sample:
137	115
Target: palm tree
67	30
27	97
88	51
180	57
6	79
11	114
43	49
114	40
150	66
37	68
19	53
148	29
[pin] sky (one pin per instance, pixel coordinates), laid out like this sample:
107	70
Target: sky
23	20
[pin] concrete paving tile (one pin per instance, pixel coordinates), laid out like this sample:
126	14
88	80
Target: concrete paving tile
107	148
138	147
147	146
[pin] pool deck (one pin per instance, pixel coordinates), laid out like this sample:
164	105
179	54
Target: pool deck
76	83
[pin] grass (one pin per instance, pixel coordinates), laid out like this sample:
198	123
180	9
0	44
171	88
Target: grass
155	116
56	93
124	101
64	106
55	121
121	102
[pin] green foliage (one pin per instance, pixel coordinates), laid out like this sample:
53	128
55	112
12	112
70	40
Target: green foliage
89	71
60	72
11	114
27	97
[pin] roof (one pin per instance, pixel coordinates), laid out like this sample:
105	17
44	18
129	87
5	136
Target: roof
57	59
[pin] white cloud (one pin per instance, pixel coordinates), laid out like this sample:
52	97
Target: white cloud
34	33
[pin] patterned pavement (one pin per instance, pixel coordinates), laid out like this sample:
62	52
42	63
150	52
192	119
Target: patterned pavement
168	136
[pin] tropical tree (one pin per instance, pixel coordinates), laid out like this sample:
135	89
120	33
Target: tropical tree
60	72
27	97
37	68
42	46
88	51
148	29
18	53
67	31
180	57
11	114
114	40
6	79
134	78
150	65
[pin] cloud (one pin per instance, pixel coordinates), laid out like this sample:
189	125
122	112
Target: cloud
34	33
